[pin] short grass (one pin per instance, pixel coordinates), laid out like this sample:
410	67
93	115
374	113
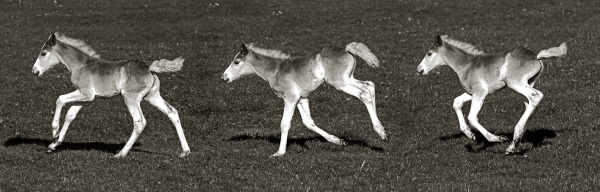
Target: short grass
233	128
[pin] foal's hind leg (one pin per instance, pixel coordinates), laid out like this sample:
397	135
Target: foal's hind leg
171	112
132	100
71	114
364	93
534	97
366	85
304	110
156	100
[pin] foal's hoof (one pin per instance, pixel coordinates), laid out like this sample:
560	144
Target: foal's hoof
474	138
55	133
471	136
52	146
278	154
510	152
119	155
343	142
498	139
184	153
387	139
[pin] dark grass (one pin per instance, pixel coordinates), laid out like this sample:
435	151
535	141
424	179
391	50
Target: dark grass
233	128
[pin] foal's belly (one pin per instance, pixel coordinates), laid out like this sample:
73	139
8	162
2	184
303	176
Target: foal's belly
107	89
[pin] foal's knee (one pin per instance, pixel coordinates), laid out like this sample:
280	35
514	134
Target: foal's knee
172	113
369	84
70	116
536	97
60	102
472	119
458	103
365	96
309	123
138	126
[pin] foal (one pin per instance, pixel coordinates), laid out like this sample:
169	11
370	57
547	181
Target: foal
93	76
294	78
481	74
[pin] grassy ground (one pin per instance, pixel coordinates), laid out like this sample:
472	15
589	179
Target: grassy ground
233	128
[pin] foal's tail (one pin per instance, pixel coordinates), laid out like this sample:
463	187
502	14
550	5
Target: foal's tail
163	65
559	51
363	52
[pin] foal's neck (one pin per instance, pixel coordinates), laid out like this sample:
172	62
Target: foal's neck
458	60
72	58
266	67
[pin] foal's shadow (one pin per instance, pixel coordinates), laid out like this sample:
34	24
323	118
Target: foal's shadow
536	138
65	146
302	141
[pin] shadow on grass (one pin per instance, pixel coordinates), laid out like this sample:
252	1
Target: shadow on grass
99	146
536	138
302	141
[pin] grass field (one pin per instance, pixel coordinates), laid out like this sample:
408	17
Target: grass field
233	128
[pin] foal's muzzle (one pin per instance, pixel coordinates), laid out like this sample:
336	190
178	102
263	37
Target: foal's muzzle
420	72
225	78
35	72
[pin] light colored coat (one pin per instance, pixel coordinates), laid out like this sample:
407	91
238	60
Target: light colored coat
481	74
93	76
294	78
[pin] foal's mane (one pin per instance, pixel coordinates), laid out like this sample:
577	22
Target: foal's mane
466	47
78	44
277	54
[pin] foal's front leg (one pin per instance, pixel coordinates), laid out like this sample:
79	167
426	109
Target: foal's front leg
71	114
458	103
286	120
74	96
476	104
304	110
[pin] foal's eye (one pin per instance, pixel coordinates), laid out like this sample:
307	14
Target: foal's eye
429	53
236	62
43	54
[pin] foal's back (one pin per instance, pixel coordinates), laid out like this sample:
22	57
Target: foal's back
314	68
109	78
330	58
498	70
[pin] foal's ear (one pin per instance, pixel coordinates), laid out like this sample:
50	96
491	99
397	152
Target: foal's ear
438	41
52	39
244	49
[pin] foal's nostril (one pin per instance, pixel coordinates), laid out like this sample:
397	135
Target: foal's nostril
34	72
224	78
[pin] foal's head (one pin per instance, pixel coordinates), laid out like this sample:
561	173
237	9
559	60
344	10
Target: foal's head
47	57
239	66
71	50
447	51
433	58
